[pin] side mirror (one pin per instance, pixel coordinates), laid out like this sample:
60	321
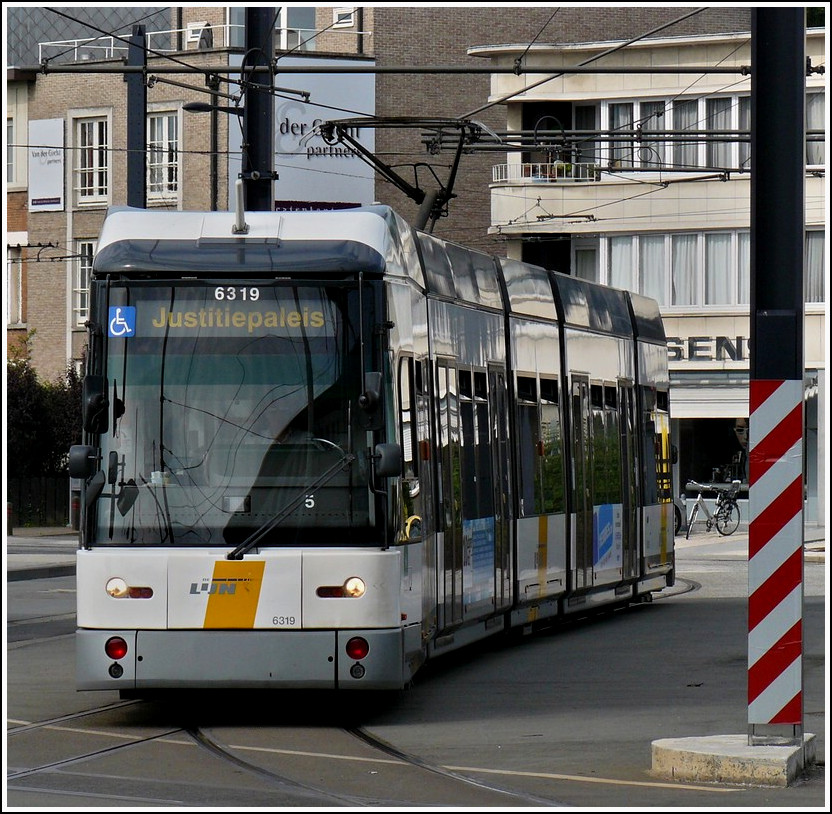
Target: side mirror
82	461
388	460
674	454
370	401
371	397
95	405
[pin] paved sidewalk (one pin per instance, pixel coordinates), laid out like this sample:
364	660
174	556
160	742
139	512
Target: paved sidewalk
40	553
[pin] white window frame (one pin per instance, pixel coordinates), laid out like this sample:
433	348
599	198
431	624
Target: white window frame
586	247
343	17
81	270
166	191
733	254
100	167
17	118
289	36
11	126
14	286
819	148
645	157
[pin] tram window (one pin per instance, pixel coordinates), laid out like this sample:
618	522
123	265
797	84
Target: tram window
596	395
610	397
468	459
613	443
483	463
529	455
419	379
661	400
465	384
480	385
407	426
549	391
551	462
526	388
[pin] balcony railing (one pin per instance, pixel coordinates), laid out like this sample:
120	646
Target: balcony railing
553	173
197	36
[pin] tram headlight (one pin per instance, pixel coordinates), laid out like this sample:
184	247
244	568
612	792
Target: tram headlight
118	588
353	588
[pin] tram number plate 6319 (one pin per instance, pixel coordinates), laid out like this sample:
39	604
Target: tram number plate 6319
280	621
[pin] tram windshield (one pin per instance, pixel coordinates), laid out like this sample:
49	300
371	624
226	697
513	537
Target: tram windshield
231	405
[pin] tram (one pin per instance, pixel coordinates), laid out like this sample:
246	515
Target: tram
322	448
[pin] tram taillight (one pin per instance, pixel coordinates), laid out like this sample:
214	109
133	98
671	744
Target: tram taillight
357	648
116	647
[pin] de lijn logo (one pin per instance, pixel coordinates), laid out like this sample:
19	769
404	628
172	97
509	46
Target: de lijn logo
122	321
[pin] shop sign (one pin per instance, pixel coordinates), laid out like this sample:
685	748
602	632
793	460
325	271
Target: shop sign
707	348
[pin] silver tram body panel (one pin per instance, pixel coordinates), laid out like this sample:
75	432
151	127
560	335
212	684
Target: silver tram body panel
483	355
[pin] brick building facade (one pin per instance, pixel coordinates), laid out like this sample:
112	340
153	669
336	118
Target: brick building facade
394	36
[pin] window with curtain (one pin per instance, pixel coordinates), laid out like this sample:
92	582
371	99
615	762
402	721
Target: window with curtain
744	267
621	150
685	116
162	155
814	265
718	269
652	153
10	142
683	270
718	117
14	286
652	267
81	281
744	123
815	118
92	165
586	264
621	262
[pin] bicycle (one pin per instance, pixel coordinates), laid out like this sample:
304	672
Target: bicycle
726	515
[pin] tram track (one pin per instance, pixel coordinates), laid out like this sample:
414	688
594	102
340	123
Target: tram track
307	774
391	758
74	716
681	586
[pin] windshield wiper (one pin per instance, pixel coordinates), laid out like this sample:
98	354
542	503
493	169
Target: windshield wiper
269	525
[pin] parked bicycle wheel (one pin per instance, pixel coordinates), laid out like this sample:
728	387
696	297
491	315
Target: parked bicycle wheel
693	512
728	518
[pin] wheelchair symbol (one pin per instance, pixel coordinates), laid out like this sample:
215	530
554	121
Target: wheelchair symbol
122	320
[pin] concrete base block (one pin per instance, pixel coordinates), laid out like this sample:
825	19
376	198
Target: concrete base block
729	759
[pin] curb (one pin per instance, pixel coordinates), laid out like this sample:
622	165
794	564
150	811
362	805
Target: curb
40	572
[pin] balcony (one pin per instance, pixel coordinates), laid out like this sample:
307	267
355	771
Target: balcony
557	172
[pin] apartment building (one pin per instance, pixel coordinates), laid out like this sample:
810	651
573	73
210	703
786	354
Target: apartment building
641	181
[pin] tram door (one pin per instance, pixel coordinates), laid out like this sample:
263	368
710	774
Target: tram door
582	498
502	497
629	457
449	570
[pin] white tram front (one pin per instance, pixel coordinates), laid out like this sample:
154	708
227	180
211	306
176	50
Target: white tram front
326	447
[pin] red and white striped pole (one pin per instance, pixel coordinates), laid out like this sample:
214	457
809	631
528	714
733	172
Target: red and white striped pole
775	554
775	533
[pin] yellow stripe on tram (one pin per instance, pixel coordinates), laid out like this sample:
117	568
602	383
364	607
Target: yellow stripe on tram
235	592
